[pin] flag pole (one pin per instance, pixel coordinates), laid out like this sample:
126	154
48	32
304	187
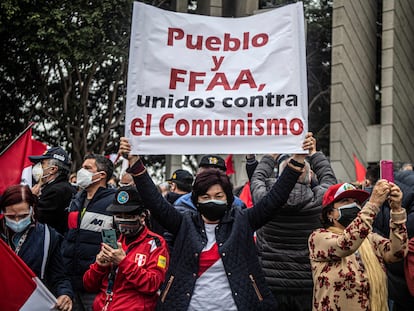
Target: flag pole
17	138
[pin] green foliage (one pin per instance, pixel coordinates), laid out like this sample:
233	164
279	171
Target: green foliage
64	66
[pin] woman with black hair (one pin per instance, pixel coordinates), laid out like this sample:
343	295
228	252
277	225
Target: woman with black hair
214	263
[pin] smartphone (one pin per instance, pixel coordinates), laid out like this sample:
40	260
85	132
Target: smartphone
387	170
109	237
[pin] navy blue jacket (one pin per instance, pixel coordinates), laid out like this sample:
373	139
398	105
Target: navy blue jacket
236	246
32	253
83	240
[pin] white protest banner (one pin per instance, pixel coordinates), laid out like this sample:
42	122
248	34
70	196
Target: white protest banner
202	84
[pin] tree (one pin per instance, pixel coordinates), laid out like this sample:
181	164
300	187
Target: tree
64	66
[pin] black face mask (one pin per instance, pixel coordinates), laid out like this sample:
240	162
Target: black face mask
347	213
213	209
172	197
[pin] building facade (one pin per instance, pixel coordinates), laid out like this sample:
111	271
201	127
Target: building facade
372	83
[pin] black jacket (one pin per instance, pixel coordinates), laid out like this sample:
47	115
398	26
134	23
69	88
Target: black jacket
53	202
397	287
235	242
283	242
83	240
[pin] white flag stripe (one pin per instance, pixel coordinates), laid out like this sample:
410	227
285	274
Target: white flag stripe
27	176
40	300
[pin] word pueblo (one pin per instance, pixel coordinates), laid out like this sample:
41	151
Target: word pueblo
213	43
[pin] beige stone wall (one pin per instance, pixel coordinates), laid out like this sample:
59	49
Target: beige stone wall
353	128
397	109
353	82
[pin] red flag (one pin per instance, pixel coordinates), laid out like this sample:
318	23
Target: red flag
246	195
21	289
360	170
229	165
14	160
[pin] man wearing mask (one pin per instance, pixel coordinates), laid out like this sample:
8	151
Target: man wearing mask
181	183
53	190
283	242
87	217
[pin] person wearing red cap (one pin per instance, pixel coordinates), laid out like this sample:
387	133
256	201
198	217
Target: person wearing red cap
347	258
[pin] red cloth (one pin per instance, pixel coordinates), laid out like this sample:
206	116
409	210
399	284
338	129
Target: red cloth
19	285
246	195
15	159
229	165
360	170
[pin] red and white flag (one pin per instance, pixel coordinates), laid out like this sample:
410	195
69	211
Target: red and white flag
14	162
20	288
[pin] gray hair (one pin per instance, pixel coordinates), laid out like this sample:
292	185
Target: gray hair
62	168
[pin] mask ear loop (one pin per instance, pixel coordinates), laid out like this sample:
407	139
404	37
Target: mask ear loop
31	214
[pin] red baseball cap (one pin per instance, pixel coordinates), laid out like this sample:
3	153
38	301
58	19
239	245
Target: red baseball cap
345	190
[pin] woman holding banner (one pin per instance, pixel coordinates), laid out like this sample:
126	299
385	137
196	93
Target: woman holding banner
214	263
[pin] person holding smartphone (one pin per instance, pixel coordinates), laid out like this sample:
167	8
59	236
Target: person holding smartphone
129	275
347	257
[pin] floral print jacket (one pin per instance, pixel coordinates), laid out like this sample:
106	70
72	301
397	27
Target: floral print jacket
340	281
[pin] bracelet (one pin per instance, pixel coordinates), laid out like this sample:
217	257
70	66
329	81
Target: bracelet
296	163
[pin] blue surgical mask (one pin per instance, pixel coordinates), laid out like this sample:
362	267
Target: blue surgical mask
21	225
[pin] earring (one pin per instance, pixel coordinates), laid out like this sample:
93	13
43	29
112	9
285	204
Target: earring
330	219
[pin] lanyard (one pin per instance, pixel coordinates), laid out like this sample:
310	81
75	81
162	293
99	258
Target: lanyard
21	241
109	289
111	281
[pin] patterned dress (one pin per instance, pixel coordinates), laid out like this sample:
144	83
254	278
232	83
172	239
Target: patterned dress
339	276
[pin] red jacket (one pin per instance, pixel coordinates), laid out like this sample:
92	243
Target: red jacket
138	278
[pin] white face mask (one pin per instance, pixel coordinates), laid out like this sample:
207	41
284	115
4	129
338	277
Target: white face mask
37	171
84	178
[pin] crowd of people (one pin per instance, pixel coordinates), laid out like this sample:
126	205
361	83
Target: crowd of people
307	242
